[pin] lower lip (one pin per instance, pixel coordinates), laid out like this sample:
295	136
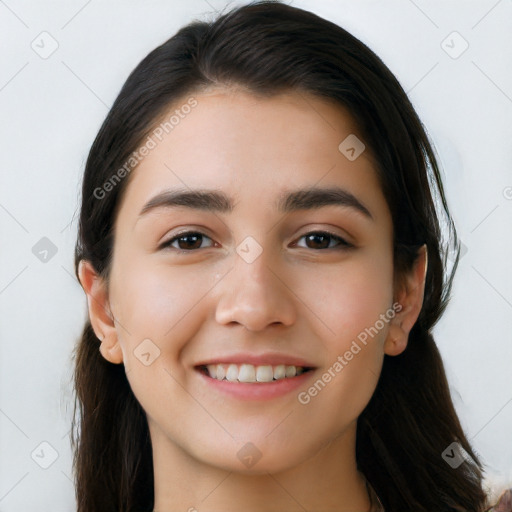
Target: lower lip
257	390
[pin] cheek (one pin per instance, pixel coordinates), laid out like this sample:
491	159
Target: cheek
153	299
158	309
351	301
351	296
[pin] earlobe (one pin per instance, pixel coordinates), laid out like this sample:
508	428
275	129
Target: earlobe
410	297
396	340
102	320
111	351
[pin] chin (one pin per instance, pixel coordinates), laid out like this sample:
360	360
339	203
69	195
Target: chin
258	458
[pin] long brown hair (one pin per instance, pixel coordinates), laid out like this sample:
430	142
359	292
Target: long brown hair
269	47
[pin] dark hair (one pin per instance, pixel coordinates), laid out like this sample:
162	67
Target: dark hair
268	47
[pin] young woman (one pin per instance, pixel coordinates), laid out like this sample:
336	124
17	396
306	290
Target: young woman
260	242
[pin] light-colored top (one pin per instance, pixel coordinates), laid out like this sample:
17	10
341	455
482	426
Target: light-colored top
504	503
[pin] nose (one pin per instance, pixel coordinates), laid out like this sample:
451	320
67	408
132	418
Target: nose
256	295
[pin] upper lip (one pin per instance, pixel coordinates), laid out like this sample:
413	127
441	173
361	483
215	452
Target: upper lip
270	359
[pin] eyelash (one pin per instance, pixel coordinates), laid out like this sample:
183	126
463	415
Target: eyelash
342	243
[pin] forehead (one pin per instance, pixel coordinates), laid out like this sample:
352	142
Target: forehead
252	147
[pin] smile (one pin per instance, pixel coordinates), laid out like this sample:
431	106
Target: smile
251	373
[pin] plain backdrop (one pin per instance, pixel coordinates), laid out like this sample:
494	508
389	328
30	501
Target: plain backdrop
62	65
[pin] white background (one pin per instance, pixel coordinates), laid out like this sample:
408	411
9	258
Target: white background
52	108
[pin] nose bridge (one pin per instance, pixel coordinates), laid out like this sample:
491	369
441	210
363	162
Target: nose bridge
255	295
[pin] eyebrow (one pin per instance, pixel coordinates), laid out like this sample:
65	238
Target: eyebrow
289	201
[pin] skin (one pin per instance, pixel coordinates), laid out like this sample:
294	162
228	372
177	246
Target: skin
294	298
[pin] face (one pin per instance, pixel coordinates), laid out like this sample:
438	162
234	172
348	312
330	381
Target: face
258	280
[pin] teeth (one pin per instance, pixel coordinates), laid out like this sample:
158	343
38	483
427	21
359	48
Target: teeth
280	372
251	373
212	371
247	373
264	373
291	371
232	373
221	372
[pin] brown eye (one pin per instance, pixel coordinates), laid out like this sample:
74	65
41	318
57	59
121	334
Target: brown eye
317	240
322	240
187	242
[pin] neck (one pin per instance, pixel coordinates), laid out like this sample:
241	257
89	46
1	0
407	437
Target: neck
326	481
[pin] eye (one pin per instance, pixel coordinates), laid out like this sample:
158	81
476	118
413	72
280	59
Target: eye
319	238
191	240
187	241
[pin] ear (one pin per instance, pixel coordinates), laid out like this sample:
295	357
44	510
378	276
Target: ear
102	320
410	297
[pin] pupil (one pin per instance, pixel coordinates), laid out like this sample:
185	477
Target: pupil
196	237
317	236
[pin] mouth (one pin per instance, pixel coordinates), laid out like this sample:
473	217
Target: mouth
249	373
